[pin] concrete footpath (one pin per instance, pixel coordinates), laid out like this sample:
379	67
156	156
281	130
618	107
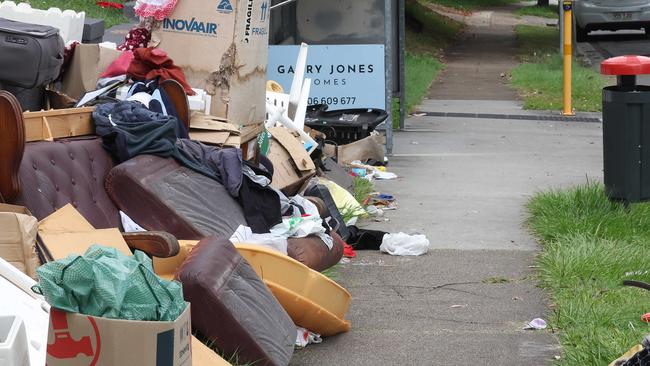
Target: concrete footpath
464	182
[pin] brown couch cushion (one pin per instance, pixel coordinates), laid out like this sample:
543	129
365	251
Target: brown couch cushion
53	174
233	308
312	252
160	194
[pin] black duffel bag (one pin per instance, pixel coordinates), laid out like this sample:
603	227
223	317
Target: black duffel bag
30	55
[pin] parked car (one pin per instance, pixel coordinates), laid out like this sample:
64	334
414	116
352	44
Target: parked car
610	15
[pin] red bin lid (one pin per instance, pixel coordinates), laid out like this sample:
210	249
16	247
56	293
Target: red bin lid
626	65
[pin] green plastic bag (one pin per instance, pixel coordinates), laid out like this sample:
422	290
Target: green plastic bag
106	283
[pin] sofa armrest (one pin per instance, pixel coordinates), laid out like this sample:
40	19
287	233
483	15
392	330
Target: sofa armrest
155	243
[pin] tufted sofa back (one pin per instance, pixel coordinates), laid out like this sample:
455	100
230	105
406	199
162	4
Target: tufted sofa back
53	174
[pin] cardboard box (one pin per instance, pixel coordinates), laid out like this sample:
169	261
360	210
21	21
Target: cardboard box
222	46
88	62
66	232
82	340
292	165
18	230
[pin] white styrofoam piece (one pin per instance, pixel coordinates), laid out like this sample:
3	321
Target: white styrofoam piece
14	350
19	300
69	23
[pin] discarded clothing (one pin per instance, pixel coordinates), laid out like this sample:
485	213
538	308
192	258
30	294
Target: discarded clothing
136	38
362	239
242	179
106	283
158	9
225	163
119	66
152	63
129	129
348	251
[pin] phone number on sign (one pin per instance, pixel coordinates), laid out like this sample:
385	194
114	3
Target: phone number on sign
332	100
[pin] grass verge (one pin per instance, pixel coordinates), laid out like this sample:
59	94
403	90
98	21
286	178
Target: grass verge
539	79
470	5
111	16
590	245
549	11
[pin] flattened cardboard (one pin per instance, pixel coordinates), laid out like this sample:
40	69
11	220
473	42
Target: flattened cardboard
287	154
63	244
82	340
67	232
202	122
18	238
65	219
214	131
204	356
371	147
294	147
233	72
215	138
88	62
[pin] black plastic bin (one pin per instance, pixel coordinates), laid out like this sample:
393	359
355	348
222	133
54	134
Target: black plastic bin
344	126
626	130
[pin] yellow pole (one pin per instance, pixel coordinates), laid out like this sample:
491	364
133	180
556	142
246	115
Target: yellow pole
567	5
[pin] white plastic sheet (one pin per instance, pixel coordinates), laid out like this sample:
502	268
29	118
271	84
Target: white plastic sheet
404	244
244	234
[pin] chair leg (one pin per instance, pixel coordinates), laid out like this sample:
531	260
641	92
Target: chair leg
12	145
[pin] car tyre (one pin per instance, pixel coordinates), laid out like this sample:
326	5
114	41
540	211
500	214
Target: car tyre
581	34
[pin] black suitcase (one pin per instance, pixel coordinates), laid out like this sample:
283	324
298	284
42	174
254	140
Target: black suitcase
30	55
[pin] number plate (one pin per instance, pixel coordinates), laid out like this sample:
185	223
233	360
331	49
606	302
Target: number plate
622	16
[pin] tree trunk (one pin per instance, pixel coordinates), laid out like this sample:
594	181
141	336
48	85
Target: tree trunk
542	2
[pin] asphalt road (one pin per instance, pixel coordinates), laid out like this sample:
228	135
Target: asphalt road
605	44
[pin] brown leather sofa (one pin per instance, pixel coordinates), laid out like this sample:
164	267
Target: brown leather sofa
191	206
45	176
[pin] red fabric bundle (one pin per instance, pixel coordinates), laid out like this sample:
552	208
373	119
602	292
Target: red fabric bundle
150	63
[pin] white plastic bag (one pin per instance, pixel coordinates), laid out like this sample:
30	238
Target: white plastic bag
244	234
404	244
305	337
